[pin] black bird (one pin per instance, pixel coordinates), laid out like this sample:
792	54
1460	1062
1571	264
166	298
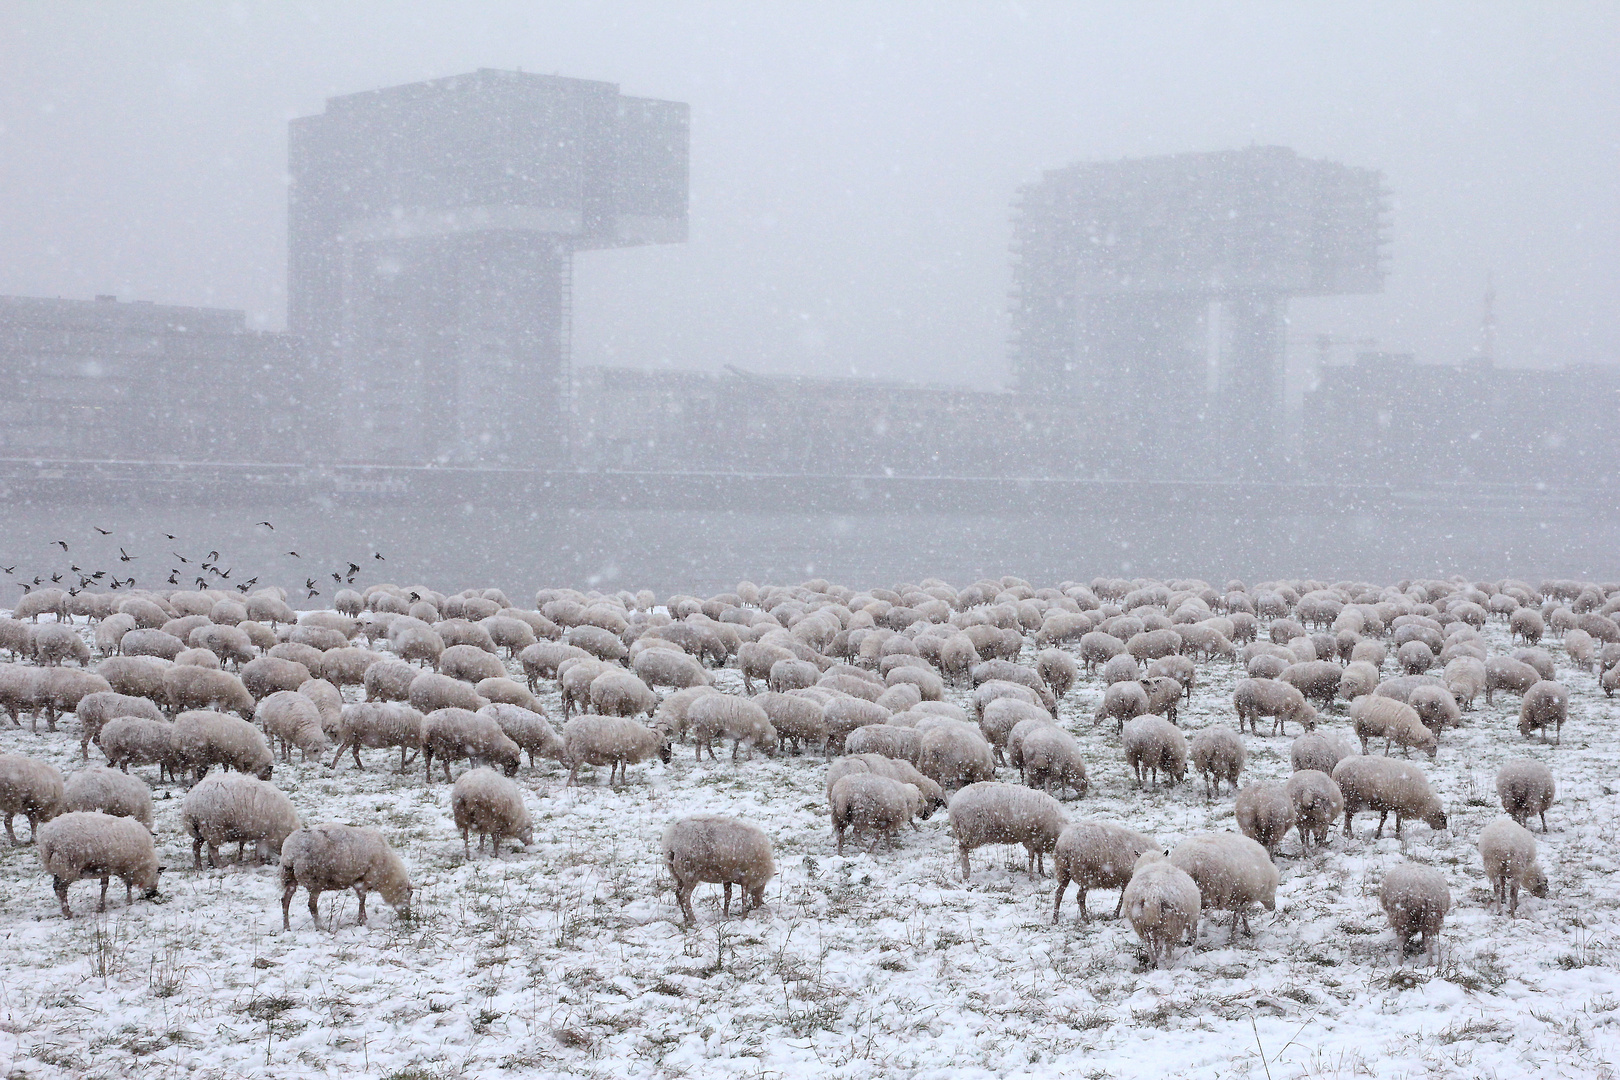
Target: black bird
27	587
353	569
173	578
124	556
309	584
179	556
56	576
338	578
213	556
114	584
75	569
241	588
225	575
61	543
252	581
266	524
313	592
38	579
295	554
98	575
73	592
379	557
9	569
171	536
202	583
103	532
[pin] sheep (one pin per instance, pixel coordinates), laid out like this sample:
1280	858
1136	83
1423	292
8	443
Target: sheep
1122	701
187	687
610	740
1164	695
868	802
1254	698
108	634
1540	659
136	740
203	739
197	658
1387	786
1002	715
1318	802
90	844
96	710
721	850
1506	673
1231	872
1316	751
930	687
1051	756
227	808
1152	644
958	656
1153	745
620	693
574	678
267	674
796	719
541	660
503	691
1096	855
1162	902
990	813
1509	853
53	643
1545	704
1526	623
1265	813
323	858
1317	680
669	667
1121	668
726	716
292	719
485	802
32	605
431	691
109	791
888	740
529	728
1525	787
377	726
1370	652
469	663
1415	899
347	666
1058	669
453	733
955	755
1218	754
31	788
59	690
389	680
1396	721
1358	678
1097	647
1435	706
670	716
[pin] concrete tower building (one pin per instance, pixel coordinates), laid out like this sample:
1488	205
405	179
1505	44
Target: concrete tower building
431	234
1130	275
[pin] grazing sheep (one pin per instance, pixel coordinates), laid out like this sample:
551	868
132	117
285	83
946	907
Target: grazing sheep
470	664
431	691
31	788
1153	745
1164	695
453	733
1359	678
135	643
1316	751
1415	899
197	658
53	643
1545	704
1058	669
726	716
529	728
292	719
669	667
136	740
1162	902
1121	668
323	858
1218	754
610	740
621	693
348	666
187	687
90	844
389	680
1254	698
1231	872
1051	756
720	850
1096	855
1525	787
1265	814
1506	673
1526	623
227	808
1317	680
1435	706
868	802
930	687
1002	715
889	740
541	660
1396	721
954	755
1122	701
97	787
59	690
96	710
1318	802
1389	787
378	726
485	802
1097	647
1509	854
267	674
137	676
108	634
990	813
204	739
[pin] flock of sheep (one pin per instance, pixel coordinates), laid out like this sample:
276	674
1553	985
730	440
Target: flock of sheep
187	681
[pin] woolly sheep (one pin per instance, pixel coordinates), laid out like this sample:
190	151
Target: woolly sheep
1389	787
297	653
1435	706
31	788
227	808
670	716
267	674
1178	668
135	643
1415	899
1509	853
52	643
1506	673
1526	623
97	787
204	739
1318	802
323	858
610	740
987	812
1545	704
292	719
95	710
1317	751
90	844
136	740
868	802
885	739
347	666
529	728
1002	715
720	850
1153	745
1122	701
197	658
1164	695
669	667
1359	677
621	693
1525	787
452	733
485	802
1317	680
1254	698
1058	669
59	690
1051	756
377	726
726	716
1231	872
431	691
1121	668
1539	659
389	680
1162	902
1396	721
111	631
1265	813
1218	754
954	754
1096	855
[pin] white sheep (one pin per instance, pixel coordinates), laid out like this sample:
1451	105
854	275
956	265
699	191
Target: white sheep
1415	899
1162	902
1318	751
1465	677
1051	756
1254	698
1265	813
897	770
720	850
954	754
377	726
1096	855
990	813
97	787
620	693
227	808
1374	715
1545	704
610	740
726	716
90	844
267	674
485	802
136	740
1218	754
31	788
389	680
1509	854
1231	872
1153	745
1389	787
1525	787
868	802
529	728
1318	802
431	692
204	739
888	740
328	857
292	719
455	733
96	710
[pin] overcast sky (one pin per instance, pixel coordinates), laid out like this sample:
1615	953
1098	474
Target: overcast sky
852	166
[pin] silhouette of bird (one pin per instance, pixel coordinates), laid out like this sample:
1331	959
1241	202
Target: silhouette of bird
27	587
295	554
337	579
379	557
353	569
266	524
309	584
179	556
225	575
173	578
103	532
314	592
114	584
98	575
171	536
73	592
242	588
213	556
61	543
124	556
56	577
9	569
38	579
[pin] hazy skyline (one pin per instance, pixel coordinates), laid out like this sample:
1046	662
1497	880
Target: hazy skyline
852	168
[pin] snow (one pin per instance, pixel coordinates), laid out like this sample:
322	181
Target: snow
568	959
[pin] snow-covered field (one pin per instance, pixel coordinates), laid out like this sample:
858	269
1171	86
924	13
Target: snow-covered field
568	959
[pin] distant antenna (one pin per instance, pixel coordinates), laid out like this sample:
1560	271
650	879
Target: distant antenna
1487	323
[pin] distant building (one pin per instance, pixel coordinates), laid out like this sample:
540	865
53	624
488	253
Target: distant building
431	232
99	379
1118	265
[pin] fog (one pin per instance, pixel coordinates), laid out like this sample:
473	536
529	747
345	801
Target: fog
851	167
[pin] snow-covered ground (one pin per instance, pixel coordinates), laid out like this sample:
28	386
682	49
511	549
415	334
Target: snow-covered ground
568	959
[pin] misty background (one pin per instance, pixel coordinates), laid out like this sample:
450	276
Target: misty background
852	167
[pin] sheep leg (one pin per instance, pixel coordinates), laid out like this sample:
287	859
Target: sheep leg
129	892
9	834
838	834
967	871
683	897
314	914
1383	815
427	763
572	772
1080	895
494	844
105	879
725	908
445	761
1544	821
1057	896
61	886
1513	903
360	893
196	853
1119	907
286	904
466	845
1397	824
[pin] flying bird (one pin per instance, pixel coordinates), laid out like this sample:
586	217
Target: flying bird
124	556
252	581
295	554
171	536
266	524
338	578
61	543
353	569
309	584
38	579
379	557
241	588
173	579
213	556
314	592
56	576
179	556
9	569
